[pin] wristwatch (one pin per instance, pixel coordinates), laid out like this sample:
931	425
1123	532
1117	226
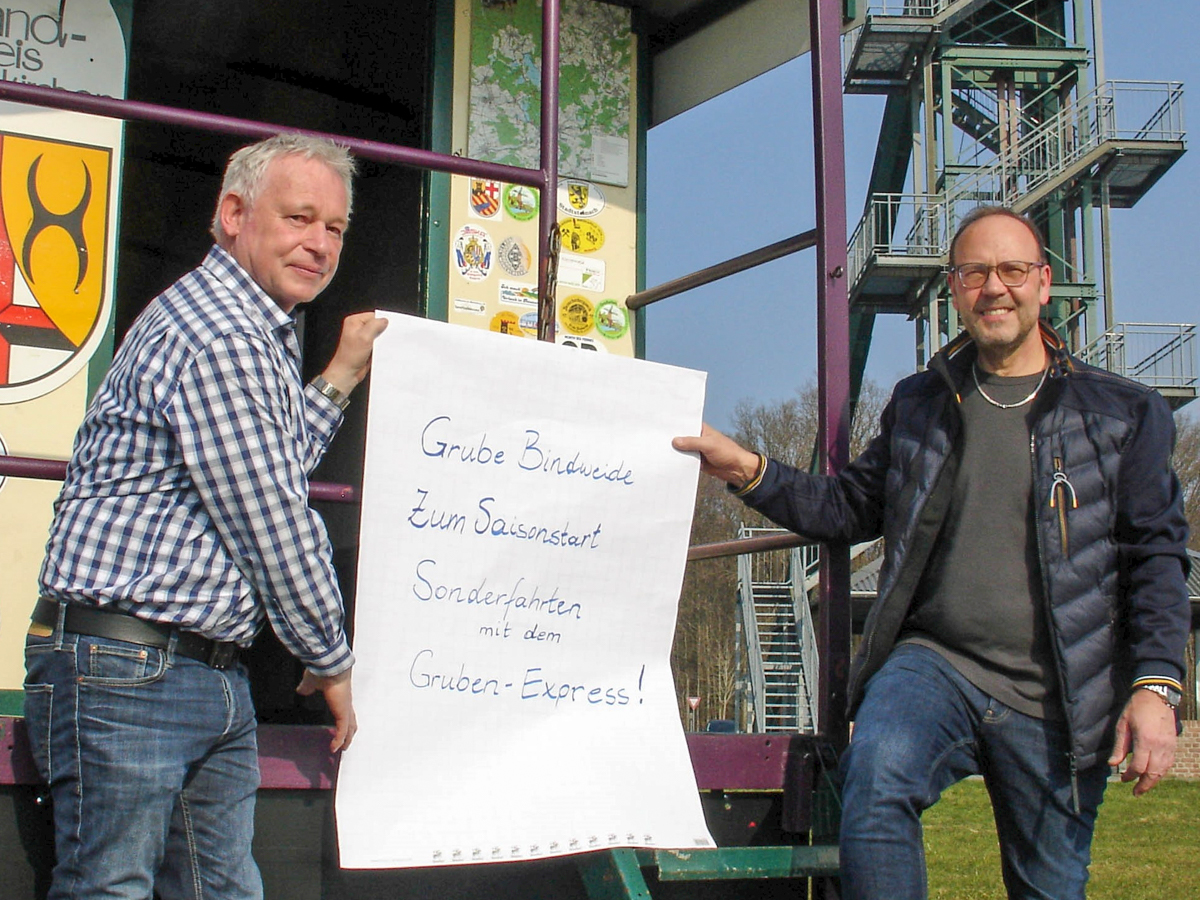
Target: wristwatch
324	387
1170	696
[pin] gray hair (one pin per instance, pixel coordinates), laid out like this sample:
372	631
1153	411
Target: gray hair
248	166
983	212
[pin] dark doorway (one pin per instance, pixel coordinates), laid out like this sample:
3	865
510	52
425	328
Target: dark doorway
359	68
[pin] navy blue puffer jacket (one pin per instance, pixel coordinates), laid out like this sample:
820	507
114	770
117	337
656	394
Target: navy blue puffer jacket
1112	546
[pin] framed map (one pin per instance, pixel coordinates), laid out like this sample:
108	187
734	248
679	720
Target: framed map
596	59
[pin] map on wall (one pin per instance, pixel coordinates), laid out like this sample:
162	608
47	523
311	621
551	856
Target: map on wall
595	49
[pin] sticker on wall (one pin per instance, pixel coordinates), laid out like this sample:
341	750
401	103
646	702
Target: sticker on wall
581	343
485	198
3	452
473	253
579	198
580	272
514	256
507	322
581	235
469	307
612	319
575	312
529	323
54	221
521	202
516	293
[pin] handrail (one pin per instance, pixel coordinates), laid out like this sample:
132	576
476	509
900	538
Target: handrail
744	545
758	687
140	111
1164	355
56	470
806	632
779	249
331	492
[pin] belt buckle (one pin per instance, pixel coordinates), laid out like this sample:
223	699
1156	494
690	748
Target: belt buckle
222	654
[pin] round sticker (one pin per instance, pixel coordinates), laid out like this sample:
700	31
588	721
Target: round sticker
521	202
473	253
506	323
581	235
529	323
612	320
579	198
514	256
485	198
575	312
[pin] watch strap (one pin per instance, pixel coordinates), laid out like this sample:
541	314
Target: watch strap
328	390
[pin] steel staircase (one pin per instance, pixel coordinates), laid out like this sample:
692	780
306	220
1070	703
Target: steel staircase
780	644
781	647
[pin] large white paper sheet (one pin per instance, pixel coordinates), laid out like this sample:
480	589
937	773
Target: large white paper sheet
524	531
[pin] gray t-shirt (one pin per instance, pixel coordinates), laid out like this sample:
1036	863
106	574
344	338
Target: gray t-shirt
980	602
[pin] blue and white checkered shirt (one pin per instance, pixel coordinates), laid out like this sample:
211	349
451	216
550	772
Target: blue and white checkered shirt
186	498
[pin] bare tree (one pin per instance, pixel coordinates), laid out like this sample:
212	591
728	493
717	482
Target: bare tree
704	656
1187	465
787	431
1186	460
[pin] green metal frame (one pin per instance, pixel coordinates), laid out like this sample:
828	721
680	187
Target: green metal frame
617	874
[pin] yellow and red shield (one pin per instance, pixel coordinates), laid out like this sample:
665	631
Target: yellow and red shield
54	212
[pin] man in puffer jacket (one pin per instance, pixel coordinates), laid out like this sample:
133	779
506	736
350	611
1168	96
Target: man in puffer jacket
1032	610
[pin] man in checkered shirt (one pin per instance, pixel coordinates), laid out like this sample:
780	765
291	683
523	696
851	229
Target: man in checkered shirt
183	524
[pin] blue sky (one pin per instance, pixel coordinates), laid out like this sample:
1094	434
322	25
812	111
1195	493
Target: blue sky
736	174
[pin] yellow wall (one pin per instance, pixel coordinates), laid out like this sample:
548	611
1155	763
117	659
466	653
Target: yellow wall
597	201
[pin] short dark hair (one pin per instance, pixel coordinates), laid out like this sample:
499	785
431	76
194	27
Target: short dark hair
983	212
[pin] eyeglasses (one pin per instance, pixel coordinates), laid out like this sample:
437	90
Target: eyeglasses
1012	272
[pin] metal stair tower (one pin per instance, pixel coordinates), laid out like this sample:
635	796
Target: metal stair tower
1002	101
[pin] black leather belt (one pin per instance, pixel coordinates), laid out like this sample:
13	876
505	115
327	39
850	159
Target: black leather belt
118	626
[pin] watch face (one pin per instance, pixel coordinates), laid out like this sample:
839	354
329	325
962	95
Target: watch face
1168	693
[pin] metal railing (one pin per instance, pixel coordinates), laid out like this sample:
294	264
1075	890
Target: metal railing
758	687
929	13
809	689
1159	356
1115	110
918	8
920	225
898	224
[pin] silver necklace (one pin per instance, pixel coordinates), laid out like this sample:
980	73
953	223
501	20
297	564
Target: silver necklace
997	403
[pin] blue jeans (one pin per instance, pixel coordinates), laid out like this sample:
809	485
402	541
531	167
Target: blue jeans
923	727
152	763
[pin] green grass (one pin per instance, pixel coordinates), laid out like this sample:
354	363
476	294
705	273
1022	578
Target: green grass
1144	847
